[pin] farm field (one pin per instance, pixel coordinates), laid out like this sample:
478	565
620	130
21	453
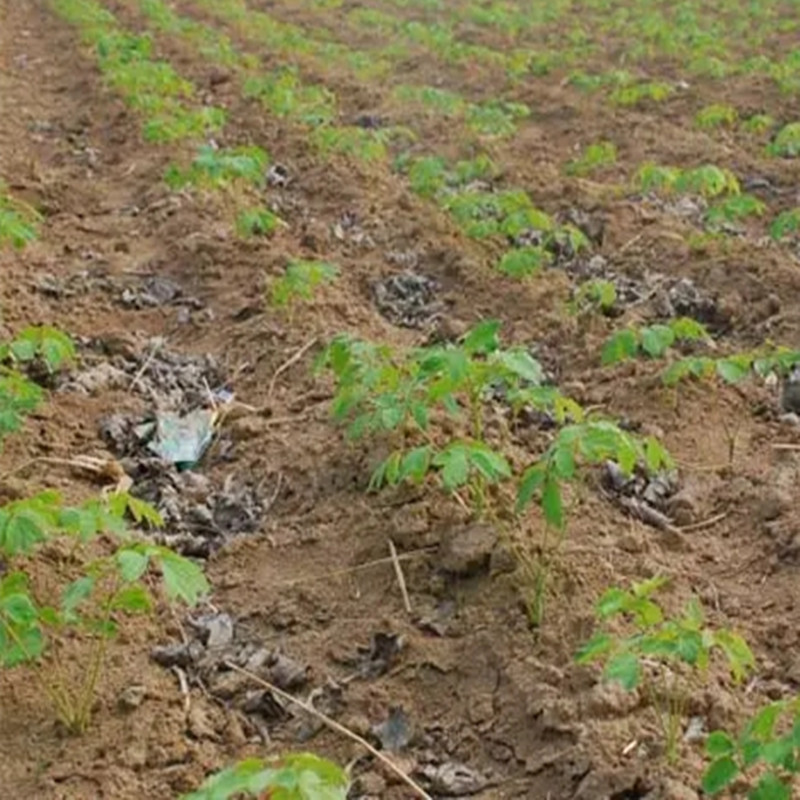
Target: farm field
414	384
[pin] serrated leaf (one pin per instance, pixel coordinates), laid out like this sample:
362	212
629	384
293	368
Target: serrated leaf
76	593
532	480
415	464
454	466
732	371
623	668
18	609
523	365
763	724
613	601
597	647
621	346
183	579
564	463
483	337
551	502
493	466
657	339
132	564
719	774
770	787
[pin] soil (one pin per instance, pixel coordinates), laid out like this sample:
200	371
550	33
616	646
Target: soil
155	285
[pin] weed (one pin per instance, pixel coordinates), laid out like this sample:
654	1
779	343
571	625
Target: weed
735	208
716	116
296	776
595	157
668	657
497	119
522	262
769	744
597	293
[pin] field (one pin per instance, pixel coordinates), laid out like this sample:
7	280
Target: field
456	344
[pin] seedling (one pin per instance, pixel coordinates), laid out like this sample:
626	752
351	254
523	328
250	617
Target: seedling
594	158
256	222
707	180
496	119
220	167
786	224
282	93
18	394
667	657
769	746
716	116
300	776
18	221
734	209
786	142
522	262
653	341
654	91
758	123
107	589
300	281
599	294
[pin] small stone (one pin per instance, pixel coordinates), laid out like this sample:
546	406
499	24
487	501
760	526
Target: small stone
248	427
467	551
371	784
695	730
131	697
502	561
790	419
775	503
683	507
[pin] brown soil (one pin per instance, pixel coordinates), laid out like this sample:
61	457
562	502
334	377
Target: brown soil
489	692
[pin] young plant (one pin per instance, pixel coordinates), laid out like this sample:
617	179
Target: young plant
668	657
19	395
716	116
758	123
300	281
786	143
785	225
18	221
214	168
256	222
296	776
769	746
635	95
284	95
597	294
90	606
653	340
595	157
734	209
522	262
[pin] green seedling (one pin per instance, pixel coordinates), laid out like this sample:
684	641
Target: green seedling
214	168
300	281
637	94
786	143
599	294
522	262
653	341
594	158
497	119
358	143
668	657
440	101
758	123
90	606
766	754
785	225
708	180
716	116
19	395
283	94
256	222
18	221
734	209
296	776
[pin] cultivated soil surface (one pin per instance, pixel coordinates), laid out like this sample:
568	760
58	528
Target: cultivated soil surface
164	299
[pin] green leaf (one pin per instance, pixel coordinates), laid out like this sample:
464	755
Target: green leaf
483	337
623	668
532	480
28	646
415	464
564	463
771	787
777	751
493	466
598	646
732	371
454	465
132	599
621	346
18	609
76	593
132	564
720	744
763	724
22	530
523	365
657	339
719	774
613	601
551	502
183	579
